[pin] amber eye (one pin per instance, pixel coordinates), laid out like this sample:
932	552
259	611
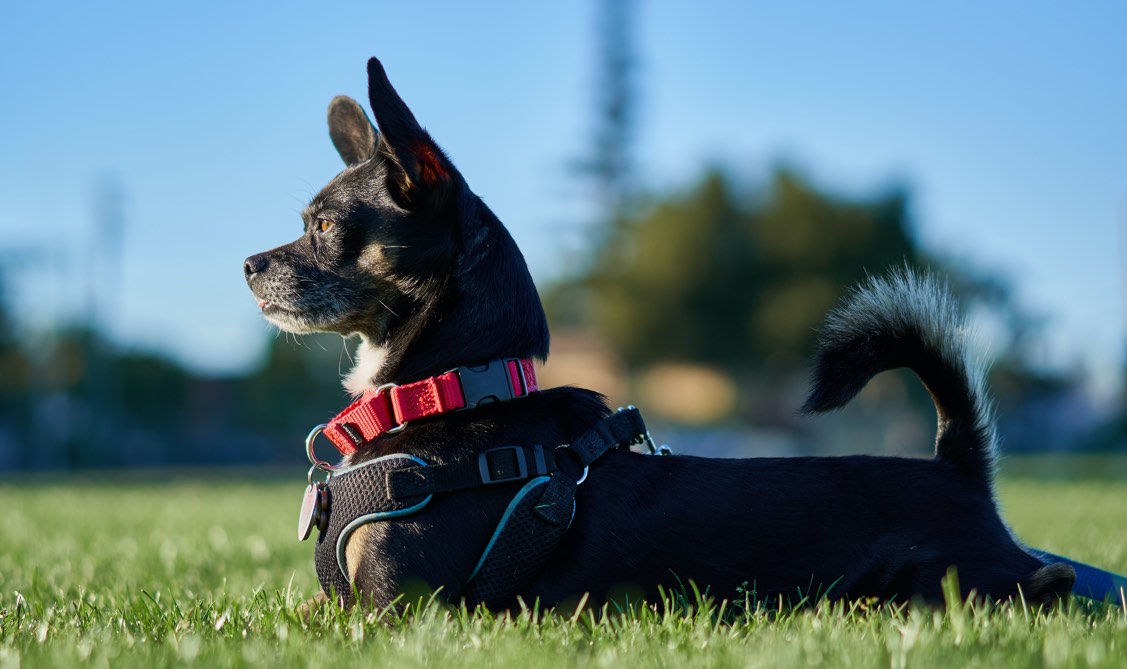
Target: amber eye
325	225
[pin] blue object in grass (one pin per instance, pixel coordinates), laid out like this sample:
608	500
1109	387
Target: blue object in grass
1091	582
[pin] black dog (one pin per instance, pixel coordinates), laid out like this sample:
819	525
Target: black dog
399	251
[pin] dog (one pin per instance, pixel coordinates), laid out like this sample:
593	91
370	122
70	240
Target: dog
398	251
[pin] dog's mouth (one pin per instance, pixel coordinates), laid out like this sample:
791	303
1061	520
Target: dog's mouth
322	307
271	309
272	305
287	319
268	306
291	317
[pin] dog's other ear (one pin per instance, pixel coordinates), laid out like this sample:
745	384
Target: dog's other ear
426	176
351	131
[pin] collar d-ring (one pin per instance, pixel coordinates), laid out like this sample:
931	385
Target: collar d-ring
317	462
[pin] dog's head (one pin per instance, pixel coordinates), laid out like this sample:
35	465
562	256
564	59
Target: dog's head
398	250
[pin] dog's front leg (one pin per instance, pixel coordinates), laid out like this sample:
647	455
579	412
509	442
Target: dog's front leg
355	552
309	608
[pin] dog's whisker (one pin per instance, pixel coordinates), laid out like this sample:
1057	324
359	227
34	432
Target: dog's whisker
344	353
388	308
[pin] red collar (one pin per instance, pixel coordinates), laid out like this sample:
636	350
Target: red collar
390	407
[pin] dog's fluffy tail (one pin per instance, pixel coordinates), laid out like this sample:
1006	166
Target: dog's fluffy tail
907	320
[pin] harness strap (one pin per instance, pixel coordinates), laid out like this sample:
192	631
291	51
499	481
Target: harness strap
622	428
356	496
520	546
537	518
506	464
398	485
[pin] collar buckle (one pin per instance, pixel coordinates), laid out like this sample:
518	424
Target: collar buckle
490	382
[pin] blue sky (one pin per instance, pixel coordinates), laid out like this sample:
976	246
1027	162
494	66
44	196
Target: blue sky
1008	121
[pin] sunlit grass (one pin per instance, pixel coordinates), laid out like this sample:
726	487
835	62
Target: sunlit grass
206	572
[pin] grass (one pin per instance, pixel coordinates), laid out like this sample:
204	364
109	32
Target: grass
206	572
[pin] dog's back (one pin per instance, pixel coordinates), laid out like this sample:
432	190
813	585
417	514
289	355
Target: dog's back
852	526
856	526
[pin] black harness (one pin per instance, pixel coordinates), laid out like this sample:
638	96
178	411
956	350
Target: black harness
528	532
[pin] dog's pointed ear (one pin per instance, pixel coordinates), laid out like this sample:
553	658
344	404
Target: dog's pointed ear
352	133
425	177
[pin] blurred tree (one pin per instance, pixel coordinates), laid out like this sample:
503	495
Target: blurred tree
152	386
1112	435
12	368
717	277
14	371
740	279
297	387
1119	422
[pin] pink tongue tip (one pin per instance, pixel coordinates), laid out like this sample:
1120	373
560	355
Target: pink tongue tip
261	303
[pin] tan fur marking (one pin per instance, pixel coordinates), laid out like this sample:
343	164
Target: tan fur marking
354	550
373	256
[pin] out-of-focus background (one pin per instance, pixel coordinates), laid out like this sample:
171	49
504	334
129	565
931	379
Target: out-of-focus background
693	184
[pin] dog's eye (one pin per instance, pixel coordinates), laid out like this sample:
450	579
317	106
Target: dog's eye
325	225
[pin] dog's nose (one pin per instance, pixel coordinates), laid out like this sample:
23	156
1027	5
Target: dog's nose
255	264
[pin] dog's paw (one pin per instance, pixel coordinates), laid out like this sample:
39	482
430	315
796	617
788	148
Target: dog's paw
1049	584
309	609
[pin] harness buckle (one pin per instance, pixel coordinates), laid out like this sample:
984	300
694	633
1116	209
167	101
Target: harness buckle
488	383
486	469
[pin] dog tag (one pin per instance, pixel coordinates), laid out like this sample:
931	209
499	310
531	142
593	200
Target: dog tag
314	510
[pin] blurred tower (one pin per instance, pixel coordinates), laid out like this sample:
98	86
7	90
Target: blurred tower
611	167
606	175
